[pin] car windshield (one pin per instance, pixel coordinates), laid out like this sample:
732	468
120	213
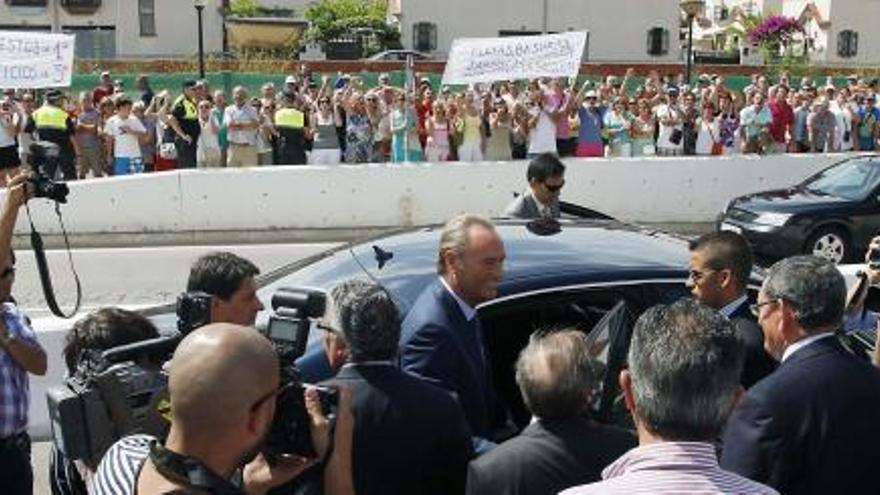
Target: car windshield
852	180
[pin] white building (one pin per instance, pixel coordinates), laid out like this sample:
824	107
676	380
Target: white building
619	30
842	32
127	28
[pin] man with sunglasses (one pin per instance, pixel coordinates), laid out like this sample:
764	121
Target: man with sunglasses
20	355
720	267
812	425
223	382
546	176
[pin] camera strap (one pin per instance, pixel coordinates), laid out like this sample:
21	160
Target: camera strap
189	471
43	266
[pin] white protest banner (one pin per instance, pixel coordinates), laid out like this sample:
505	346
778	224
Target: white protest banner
476	60
35	60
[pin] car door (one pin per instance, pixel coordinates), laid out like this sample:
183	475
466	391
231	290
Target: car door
604	312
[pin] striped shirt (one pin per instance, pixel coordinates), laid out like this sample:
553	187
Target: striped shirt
118	472
670	467
14	387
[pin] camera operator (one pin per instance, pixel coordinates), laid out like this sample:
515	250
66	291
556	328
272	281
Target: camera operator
396	414
224	381
230	280
103	329
861	314
20	354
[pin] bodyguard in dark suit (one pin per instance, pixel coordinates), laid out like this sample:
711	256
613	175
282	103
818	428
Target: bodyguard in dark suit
442	341
546	176
562	447
409	436
720	266
813	425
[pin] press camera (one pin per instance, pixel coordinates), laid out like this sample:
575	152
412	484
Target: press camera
44	155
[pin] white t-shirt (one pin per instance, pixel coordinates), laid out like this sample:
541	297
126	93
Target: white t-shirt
707	134
208	138
7	130
125	144
664	111
844	119
542	139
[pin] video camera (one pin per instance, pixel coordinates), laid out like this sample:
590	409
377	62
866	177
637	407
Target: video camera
288	329
44	155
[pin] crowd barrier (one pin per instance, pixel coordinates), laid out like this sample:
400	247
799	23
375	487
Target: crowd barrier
651	190
384	195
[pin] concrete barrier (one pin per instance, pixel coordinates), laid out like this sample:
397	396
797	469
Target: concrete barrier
656	190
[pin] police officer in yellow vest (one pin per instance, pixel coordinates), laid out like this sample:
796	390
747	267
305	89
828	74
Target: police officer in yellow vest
291	125
52	123
185	123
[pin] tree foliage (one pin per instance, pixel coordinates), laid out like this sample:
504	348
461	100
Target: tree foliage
244	8
334	19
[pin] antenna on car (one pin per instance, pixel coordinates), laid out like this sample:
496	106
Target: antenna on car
382	256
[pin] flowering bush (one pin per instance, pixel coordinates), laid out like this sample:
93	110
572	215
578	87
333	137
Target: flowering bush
775	30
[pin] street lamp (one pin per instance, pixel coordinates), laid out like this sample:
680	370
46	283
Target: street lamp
691	8
200	6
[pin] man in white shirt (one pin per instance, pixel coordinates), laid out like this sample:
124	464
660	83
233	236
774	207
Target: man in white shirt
670	140
542	127
124	131
242	123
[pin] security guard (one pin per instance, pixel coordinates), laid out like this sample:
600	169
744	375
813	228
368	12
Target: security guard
52	123
291	125
185	123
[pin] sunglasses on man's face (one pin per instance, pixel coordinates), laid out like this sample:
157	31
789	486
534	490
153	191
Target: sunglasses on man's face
7	272
554	187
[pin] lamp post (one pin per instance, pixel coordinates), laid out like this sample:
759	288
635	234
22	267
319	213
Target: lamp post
691	8
200	6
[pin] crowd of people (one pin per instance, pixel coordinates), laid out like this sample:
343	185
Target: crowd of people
113	131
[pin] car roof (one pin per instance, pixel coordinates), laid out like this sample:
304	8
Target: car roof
581	252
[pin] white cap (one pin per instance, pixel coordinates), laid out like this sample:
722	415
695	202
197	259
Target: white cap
290	80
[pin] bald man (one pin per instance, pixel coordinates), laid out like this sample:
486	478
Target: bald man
223	384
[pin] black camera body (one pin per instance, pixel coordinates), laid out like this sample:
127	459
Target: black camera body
193	311
288	329
42	154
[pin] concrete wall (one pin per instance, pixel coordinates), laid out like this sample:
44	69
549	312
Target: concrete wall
618	29
664	190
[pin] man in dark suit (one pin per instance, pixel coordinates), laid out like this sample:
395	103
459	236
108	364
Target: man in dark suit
720	266
562	447
812	425
442	340
409	436
546	176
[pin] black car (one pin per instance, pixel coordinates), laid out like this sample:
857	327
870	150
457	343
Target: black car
832	214
595	275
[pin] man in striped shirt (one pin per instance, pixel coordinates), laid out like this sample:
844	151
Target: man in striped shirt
683	380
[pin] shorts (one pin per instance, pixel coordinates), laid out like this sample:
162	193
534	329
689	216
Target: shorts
590	150
128	165
9	157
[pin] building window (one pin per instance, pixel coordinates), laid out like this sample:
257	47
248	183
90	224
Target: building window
147	17
658	41
425	36
26	3
847	43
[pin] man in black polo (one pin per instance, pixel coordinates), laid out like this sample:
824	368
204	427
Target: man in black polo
185	122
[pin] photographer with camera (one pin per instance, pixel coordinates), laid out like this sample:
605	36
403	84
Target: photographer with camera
862	311
20	354
224	381
396	414
103	329
230	281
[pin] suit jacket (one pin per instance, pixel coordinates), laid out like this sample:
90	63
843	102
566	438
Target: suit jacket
439	345
526	206
409	436
758	363
548	457
811	426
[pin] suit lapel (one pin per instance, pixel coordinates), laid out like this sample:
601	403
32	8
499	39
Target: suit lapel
464	333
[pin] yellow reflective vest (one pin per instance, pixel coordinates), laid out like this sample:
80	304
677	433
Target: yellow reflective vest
50	117
290	117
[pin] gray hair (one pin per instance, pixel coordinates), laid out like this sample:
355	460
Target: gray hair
555	374
813	286
685	361
367	318
456	236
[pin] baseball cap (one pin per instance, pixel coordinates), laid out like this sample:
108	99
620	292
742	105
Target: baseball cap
290	80
590	94
190	83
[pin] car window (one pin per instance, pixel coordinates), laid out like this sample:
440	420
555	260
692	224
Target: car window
853	180
508	325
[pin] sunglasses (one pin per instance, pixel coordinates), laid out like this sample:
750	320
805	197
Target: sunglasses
755	309
554	188
8	272
278	392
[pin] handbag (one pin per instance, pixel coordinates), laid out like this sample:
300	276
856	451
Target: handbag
717	146
168	151
676	136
